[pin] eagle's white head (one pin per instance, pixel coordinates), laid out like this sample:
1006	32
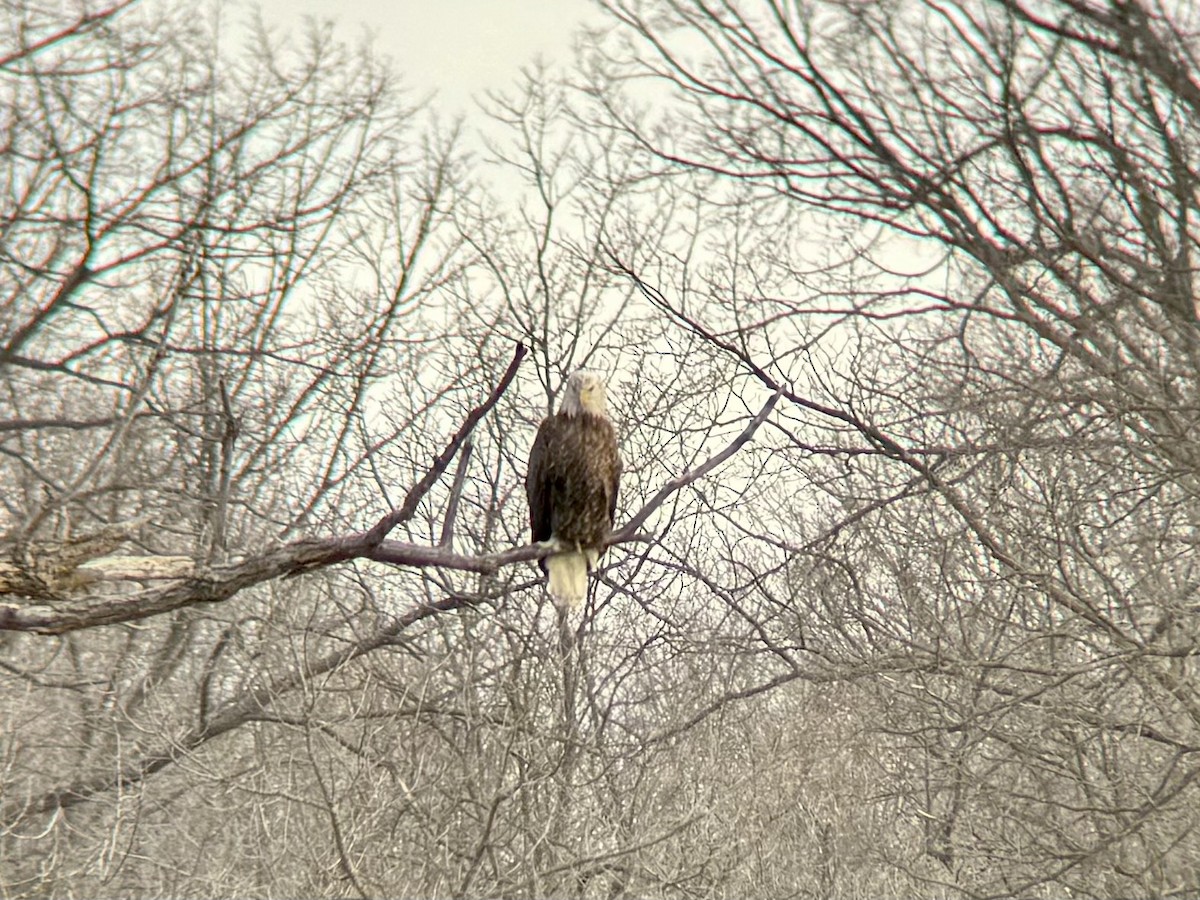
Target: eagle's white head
585	393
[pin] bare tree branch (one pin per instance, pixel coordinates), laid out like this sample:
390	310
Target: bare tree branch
220	583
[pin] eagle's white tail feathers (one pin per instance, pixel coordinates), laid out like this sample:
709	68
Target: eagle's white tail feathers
568	577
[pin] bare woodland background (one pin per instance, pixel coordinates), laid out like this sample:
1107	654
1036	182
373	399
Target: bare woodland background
931	633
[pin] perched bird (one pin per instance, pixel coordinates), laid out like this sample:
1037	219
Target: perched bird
572	480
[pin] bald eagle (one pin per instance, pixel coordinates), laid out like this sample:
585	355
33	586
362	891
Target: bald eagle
572	480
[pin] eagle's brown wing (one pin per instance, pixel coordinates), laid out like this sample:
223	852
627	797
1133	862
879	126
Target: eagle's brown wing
538	490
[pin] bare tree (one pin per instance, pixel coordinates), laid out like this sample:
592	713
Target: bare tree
257	323
890	300
991	392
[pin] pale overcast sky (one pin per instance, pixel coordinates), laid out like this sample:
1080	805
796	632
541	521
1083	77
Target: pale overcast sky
457	47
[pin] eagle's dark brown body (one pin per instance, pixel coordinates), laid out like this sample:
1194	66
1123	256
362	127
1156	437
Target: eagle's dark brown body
572	481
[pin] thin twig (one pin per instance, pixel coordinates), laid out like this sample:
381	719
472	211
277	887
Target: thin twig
412	500
446	541
631	528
